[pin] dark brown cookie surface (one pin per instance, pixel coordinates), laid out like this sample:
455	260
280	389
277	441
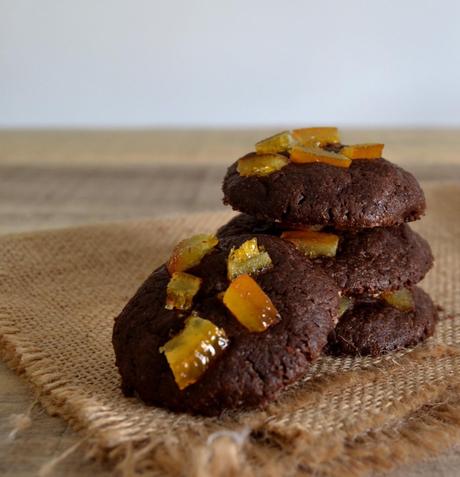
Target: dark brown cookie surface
368	261
255	366
371	193
374	327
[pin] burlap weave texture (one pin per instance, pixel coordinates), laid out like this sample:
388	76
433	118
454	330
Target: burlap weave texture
59	293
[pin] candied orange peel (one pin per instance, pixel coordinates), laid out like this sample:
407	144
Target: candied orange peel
249	258
189	252
313	244
181	289
308	154
286	140
363	151
305	145
316	136
260	164
190	352
401	299
250	304
281	142
345	303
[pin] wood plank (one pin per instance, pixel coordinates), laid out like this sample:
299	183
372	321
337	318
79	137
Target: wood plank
127	148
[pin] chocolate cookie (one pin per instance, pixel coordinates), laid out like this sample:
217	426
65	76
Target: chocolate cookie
373	327
370	193
254	366
368	261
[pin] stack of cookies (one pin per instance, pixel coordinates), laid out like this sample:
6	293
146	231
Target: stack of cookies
347	209
320	259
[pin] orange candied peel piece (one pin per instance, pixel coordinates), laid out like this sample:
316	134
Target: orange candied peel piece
401	299
313	244
190	352
247	259
250	304
181	289
363	151
189	252
260	164
316	136
345	303
281	142
306	154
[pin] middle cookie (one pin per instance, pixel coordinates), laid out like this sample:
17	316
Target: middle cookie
367	261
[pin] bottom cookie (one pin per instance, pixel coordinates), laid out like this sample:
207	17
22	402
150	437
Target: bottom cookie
207	357
374	327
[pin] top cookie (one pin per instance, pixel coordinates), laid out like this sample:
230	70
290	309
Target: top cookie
323	187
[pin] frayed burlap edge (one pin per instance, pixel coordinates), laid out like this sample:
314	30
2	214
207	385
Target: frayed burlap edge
424	426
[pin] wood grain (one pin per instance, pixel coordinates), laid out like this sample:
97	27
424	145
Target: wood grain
128	148
62	178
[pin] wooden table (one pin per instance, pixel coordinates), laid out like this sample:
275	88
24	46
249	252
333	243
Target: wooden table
55	179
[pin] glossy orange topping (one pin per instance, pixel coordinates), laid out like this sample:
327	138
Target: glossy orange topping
280	142
400	299
260	164
345	304
313	244
250	304
363	151
308	154
248	259
189	252
191	351
316	136
180	290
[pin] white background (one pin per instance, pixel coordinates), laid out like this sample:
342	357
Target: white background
229	63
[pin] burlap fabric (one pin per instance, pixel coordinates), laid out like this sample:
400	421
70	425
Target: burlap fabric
60	291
